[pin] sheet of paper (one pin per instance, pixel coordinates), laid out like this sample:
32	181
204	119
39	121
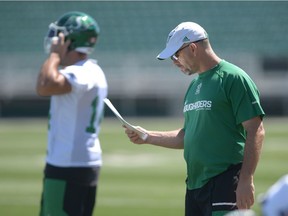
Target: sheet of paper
123	121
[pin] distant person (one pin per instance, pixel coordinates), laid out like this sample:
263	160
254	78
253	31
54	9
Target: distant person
77	86
223	131
275	202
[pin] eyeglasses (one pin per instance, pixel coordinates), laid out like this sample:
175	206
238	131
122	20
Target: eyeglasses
176	55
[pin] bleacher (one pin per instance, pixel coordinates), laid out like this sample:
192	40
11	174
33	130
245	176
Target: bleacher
250	34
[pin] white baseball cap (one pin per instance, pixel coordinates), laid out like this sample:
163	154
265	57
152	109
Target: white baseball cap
185	32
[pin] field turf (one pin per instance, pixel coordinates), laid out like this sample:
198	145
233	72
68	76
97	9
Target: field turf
135	180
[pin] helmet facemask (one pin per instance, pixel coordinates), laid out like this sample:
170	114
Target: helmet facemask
52	34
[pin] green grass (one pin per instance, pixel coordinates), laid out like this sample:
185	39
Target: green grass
134	181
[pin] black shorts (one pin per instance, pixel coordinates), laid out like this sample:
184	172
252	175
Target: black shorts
69	191
217	197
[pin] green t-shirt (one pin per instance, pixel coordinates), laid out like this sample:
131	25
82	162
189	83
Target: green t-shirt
215	105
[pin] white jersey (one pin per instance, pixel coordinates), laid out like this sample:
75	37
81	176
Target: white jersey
74	118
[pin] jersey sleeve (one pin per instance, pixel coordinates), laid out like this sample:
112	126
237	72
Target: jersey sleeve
77	82
81	78
244	97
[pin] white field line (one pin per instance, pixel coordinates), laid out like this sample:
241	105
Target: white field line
142	160
149	202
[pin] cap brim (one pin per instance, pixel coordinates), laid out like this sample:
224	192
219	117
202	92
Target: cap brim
168	52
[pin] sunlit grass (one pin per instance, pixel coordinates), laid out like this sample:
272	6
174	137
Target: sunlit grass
135	180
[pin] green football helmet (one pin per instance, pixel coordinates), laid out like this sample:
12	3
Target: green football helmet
80	28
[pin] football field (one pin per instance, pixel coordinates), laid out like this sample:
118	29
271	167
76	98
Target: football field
135	180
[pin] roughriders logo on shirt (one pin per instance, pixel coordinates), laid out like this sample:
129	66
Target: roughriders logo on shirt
199	105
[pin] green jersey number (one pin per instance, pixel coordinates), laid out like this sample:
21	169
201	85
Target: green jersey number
91	128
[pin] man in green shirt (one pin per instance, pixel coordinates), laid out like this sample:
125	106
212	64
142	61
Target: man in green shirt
223	131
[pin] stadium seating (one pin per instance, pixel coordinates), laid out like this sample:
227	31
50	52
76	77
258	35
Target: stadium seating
248	33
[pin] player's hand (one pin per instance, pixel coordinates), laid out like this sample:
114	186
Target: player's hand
134	137
245	193
59	46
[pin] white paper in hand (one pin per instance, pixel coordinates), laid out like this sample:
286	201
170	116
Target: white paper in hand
122	120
